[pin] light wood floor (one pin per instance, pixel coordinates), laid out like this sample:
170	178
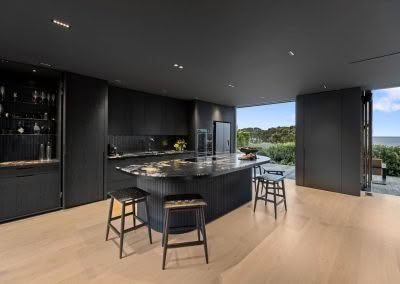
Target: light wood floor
323	238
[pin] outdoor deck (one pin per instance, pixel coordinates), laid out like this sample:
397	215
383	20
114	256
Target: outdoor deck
392	186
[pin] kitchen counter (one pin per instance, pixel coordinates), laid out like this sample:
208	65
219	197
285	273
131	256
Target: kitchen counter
148	154
223	164
225	184
17	164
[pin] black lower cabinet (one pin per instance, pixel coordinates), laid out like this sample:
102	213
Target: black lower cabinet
8	198
25	194
37	193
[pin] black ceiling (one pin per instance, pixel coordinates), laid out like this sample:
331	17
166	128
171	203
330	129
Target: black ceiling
244	43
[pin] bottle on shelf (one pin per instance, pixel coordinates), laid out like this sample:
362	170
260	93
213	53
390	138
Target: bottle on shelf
2	93
15	96
36	129
48	151
41	152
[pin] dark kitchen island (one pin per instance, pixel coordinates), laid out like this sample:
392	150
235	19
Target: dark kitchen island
225	182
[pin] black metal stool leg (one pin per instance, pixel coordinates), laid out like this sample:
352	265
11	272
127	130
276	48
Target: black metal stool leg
109	218
204	232
256	198
122	232
166	237
284	193
266	192
148	220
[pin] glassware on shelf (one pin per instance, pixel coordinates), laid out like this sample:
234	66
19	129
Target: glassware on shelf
42	97
48	98
36	129
15	96
45	116
35	96
1	110
2	93
41	152
53	99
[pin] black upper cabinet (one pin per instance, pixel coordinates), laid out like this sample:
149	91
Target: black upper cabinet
85	139
134	113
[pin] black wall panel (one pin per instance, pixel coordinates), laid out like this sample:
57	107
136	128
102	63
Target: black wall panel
85	139
322	141
351	141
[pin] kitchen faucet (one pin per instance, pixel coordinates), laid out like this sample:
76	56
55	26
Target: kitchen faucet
151	139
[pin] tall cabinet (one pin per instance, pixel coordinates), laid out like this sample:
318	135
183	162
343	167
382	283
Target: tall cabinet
328	140
85	130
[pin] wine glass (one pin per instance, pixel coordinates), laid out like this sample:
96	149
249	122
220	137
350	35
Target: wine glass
48	98
35	96
42	97
53	99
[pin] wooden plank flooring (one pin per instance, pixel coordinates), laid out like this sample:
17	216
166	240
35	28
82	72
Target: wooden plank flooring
324	238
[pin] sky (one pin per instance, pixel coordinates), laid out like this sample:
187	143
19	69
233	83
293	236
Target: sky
267	116
386	115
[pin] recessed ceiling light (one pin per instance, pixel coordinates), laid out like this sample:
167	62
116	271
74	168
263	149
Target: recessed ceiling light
61	24
176	65
324	86
34	70
231	85
117	81
45	64
291	53
180	67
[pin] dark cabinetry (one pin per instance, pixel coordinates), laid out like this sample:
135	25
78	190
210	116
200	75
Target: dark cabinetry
30	191
85	139
134	113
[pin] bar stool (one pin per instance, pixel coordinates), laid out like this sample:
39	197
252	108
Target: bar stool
255	175
127	197
179	203
271	182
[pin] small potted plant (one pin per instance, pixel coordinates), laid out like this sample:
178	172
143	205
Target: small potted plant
180	145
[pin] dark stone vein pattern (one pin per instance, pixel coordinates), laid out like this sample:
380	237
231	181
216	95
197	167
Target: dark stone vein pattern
223	164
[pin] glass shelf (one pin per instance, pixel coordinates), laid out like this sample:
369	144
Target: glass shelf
26	103
25	118
17	134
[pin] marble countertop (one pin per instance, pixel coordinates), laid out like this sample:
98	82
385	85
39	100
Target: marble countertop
224	164
13	164
147	154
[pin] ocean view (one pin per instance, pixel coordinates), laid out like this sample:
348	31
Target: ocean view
386	140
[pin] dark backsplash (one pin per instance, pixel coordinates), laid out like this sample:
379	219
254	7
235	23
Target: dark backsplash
141	143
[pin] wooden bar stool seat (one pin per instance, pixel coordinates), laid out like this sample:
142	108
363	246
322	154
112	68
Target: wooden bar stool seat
179	203
127	197
272	183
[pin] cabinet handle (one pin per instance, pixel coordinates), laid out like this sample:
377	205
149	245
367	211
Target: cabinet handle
24	176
